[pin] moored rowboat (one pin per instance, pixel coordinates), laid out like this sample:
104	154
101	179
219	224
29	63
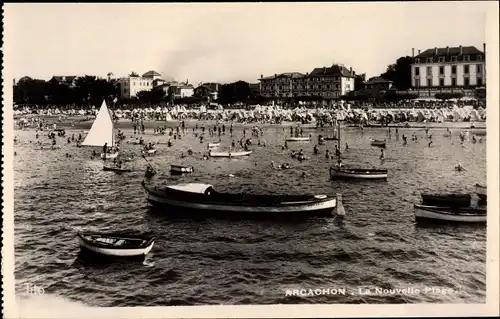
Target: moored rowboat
203	200
115	245
450	214
357	173
213	145
229	154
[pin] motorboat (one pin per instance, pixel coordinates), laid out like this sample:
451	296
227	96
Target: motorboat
179	169
115	245
450	214
357	173
229	154
204	200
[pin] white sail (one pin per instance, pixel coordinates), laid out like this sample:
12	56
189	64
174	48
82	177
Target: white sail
101	131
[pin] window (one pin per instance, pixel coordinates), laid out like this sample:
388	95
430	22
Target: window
479	68
453	59
479	58
441	59
453	82
466	82
417	60
453	69
441	70
429	70
466	58
417	82
417	71
479	81
466	69
441	82
429	82
429	60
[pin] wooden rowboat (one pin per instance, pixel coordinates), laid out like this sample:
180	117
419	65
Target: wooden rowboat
115	245
229	154
357	173
450	214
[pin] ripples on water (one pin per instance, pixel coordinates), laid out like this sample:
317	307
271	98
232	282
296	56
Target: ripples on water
251	262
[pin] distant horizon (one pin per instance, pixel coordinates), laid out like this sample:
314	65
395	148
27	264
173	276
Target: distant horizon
228	42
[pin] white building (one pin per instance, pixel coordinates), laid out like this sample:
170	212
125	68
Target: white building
131	85
449	68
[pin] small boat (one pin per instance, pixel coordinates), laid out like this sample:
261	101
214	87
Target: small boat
379	143
179	169
202	199
298	139
102	132
213	145
446	200
116	169
229	154
357	173
449	214
115	245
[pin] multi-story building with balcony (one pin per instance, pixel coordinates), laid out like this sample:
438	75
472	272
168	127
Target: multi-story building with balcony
454	69
326	82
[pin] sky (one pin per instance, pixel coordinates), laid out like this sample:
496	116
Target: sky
227	42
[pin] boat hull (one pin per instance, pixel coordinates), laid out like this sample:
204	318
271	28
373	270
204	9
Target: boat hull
378	144
449	214
110	252
230	154
175	206
298	139
357	174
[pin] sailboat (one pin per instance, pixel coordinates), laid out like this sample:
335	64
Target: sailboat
102	132
339	172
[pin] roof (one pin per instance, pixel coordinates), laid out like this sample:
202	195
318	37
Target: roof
292	75
150	74
377	80
334	70
455	51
